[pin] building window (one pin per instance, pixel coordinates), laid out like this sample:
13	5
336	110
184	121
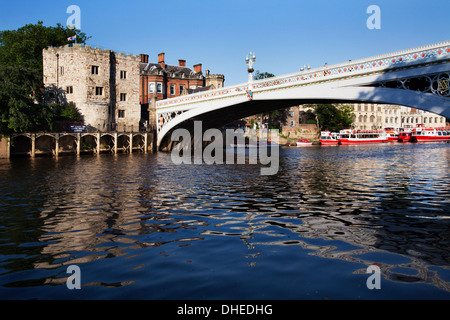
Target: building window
94	69
172	89
181	88
292	123
61	70
123	97
98	91
121	113
123	74
69	90
159	87
151	87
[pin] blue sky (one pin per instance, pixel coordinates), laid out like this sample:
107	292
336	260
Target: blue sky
285	34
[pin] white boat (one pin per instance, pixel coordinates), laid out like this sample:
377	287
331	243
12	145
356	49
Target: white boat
421	134
328	138
303	143
362	136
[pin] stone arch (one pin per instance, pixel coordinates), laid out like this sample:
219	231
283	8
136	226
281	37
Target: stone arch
21	145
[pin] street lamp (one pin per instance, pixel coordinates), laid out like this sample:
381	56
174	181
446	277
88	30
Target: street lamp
305	67
250	60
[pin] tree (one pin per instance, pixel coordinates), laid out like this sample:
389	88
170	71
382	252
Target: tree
21	81
333	117
262	75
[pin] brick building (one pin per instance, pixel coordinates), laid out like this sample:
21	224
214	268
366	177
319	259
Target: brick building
161	81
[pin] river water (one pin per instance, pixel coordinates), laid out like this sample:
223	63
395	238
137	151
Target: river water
140	227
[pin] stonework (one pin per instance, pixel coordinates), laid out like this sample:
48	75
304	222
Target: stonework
103	84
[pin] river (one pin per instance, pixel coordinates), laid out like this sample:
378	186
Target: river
139	226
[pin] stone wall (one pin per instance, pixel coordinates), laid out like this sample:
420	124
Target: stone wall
100	83
4	147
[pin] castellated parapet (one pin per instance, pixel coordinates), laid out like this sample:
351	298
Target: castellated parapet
103	84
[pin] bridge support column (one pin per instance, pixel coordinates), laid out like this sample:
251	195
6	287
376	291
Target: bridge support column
33	145
98	143
57	145
116	137
146	142
78	143
131	142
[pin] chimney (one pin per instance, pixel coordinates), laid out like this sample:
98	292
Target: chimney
161	60
181	63
144	58
198	68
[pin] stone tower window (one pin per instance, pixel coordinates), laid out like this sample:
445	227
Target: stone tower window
94	69
98	91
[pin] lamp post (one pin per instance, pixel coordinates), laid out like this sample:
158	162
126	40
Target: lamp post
305	67
250	60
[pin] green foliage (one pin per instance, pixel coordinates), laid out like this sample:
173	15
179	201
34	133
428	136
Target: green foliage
262	75
70	112
21	78
334	117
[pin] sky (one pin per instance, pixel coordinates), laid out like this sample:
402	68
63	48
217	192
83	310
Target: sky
283	34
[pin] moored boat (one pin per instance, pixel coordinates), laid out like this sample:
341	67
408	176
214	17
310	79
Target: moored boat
303	143
404	136
361	136
421	134
328	138
392	135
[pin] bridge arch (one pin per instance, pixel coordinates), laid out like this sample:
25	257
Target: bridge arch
417	78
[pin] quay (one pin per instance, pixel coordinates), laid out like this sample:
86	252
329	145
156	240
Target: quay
75	143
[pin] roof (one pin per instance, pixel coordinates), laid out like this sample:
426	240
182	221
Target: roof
155	68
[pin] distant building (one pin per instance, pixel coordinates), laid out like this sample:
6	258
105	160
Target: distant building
370	116
114	90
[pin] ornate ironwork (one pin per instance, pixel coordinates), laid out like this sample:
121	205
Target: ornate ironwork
437	84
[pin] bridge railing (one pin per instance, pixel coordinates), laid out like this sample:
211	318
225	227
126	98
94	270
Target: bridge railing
398	59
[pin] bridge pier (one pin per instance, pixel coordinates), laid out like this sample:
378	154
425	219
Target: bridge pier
57	145
33	145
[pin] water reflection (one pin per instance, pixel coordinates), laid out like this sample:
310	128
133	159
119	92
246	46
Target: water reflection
386	205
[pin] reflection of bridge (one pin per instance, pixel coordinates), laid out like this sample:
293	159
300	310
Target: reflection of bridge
416	78
79	142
